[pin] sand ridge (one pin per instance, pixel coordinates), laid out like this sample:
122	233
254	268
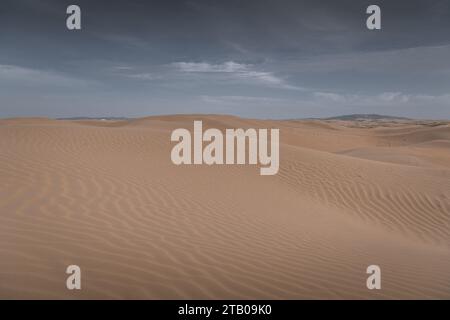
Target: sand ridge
104	195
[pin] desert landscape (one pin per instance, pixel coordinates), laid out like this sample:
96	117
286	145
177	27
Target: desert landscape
104	195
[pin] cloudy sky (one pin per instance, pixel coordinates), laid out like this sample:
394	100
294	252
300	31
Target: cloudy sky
252	58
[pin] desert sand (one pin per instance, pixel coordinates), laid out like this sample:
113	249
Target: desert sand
105	195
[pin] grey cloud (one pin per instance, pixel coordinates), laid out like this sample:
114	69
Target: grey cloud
274	58
415	59
10	74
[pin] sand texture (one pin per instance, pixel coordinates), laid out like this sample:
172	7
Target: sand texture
105	195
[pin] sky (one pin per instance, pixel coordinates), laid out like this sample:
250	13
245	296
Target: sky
274	59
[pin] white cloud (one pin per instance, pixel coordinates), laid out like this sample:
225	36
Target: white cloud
122	68
143	76
383	99
240	100
237	71
330	96
227	67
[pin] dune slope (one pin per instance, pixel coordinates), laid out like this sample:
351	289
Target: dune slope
106	196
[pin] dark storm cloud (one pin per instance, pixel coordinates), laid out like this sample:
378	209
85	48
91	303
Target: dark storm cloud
306	58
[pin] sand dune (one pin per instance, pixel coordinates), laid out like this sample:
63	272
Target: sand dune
105	195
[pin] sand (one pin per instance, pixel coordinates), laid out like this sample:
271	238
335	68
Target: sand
104	195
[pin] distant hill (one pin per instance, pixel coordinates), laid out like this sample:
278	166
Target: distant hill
349	117
353	117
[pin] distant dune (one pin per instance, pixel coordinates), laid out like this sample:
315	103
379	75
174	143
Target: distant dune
105	195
